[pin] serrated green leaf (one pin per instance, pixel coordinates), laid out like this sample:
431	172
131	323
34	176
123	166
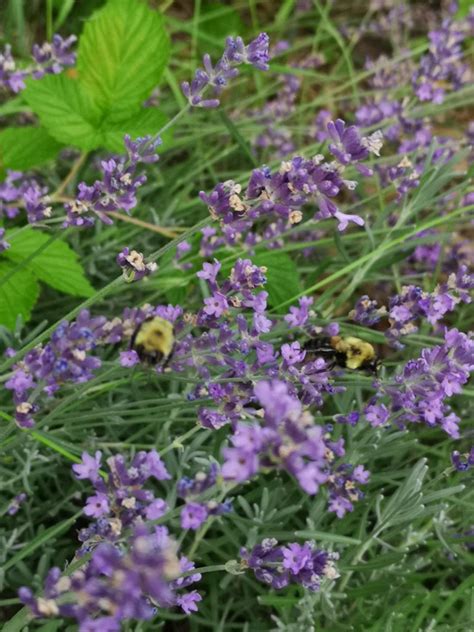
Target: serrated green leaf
122	53
65	110
26	147
146	121
18	293
56	264
283	281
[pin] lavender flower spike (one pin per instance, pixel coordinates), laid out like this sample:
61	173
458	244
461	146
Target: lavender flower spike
235	53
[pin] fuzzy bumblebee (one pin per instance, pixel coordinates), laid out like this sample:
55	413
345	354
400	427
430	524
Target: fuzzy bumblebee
349	352
153	340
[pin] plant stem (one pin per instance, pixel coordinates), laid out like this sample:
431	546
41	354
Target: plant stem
70	176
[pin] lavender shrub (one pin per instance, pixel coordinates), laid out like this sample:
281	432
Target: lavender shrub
247	467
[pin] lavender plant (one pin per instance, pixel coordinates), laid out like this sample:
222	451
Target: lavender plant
242	468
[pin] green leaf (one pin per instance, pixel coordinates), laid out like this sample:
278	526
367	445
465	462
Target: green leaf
39	541
220	21
123	51
323	536
19	291
25	147
283	282
52	262
65	110
64	8
146	121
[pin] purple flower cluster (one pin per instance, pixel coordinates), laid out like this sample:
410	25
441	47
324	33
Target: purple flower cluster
132	571
120	500
287	438
64	359
52	57
418	393
413	305
348	147
367	312
49	58
116	190
118	585
280	196
463	462
442	67
134	266
118	187
194	514
281	565
19	192
426	255
217	77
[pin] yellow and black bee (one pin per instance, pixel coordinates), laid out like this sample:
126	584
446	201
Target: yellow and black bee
349	352
153	340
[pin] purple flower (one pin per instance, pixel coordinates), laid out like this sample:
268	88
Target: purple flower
134	266
256	53
212	419
216	304
418	393
52	57
209	272
346	144
288	439
11	77
366	312
119	584
276	400
193	515
188	601
376	414
16	503
97	506
296	557
49	58
129	358
89	467
156	509
298	316
351	418
217	77
154	466
116	190
20	382
4	245
292	353
200	483
463	462
240	465
279	566
443	65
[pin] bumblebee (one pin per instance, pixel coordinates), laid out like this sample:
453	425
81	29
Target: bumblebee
153	340
349	352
